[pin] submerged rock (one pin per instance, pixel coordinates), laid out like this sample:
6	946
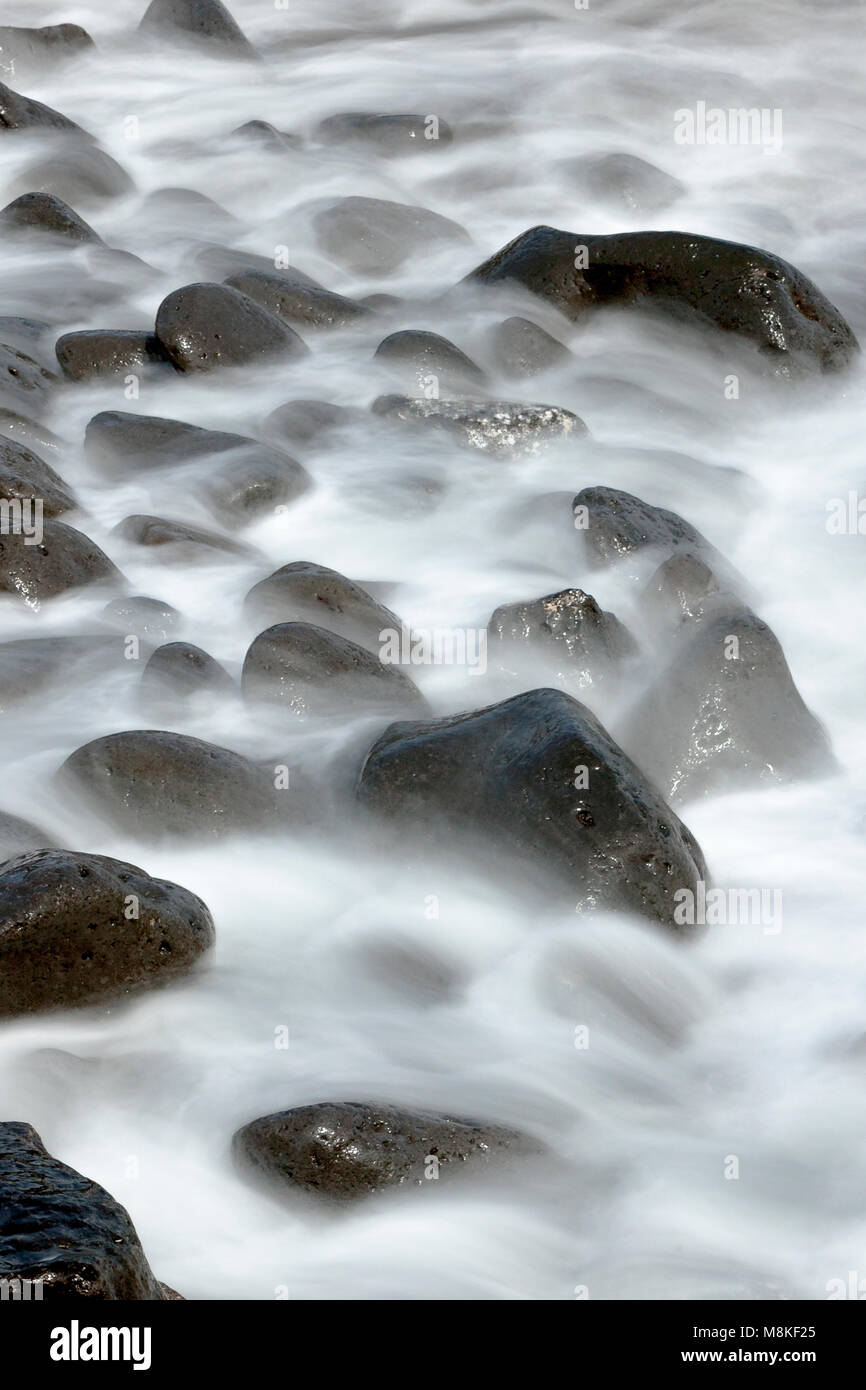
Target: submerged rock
385	134
178	540
49	216
623	182
76	172
308	306
81	929
372	237
420	358
568	626
18	112
204	21
35	50
23	475
24	383
63	559
521	349
499	428
537	778
64	1230
310	593
142	617
346	1149
206	326
19	836
178	669
309	422
305	669
31	666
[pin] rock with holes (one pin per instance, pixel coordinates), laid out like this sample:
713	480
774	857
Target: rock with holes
299	304
24	475
46	215
95	352
63	559
372	237
741	290
538	780
501	429
349	1149
304	592
62	1233
569	629
80	929
205	326
304	669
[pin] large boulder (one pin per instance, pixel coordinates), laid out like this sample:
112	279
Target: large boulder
739	289
63	1230
539	779
304	669
310	593
81	929
346	1149
501	429
205	326
63	559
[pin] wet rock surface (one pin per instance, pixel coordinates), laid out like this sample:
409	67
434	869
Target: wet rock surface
304	669
428	360
19	836
109	352
205	326
590	644
311	593
520	348
24	475
205	22
63	559
499	428
299	304
177	540
183	670
46	215
373	237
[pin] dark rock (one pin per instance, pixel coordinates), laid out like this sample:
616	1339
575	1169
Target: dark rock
60	1228
696	279
18	112
303	592
417	357
499	428
19	836
347	1149
267	137
308	670
206	21
64	559
386	134
47	215
160	785
108	351
679	589
726	714
38	49
373	237
177	537
206	326
520	348
77	173
181	670
569	627
623	182
298	303
309	422
506	776
616	524
22	430
24	382
252	483
24	475
32	666
80	929
142	617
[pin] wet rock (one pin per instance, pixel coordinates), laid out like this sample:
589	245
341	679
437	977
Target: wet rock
305	669
505	777
22	430
205	21
499	428
48	216
180	540
19	836
419	357
349	1149
24	382
521	349
180	670
77	173
267	137
309	422
142	617
96	352
372	237
569	627
32	666
623	182
205	326
739	289
303	592
80	929
64	559
386	134
297	303
24	475
158	784
188	209
382	303
726	714
63	1229
253	483
219	262
615	525
18	112
36	50
679	590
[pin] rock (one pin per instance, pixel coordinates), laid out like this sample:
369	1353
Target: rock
19	836
31	666
187	542
267	137
739	289
24	475
47	215
77	173
64	559
180	670
385	134
189	209
24	382
142	617
499	428
35	50
570	627
305	670
309	307
303	592
18	112
725	714
218	262
20	429
60	1228
205	21
371	237
615	525
205	326
349	1149
96	352
159	785
623	182
309	422
505	777
520	348
418	357
679	589
253	483
81	929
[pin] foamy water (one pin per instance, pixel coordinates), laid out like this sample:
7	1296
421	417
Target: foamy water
399	980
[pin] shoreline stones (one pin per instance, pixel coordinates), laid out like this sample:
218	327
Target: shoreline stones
207	23
501	429
310	593
18	112
94	352
294	302
568	626
305	669
388	134
19	836
82	929
521	349
23	475
63	559
423	359
64	1230
370	236
616	525
47	215
205	326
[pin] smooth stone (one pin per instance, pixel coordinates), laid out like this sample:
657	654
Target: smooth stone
24	382
23	474
187	208
34	50
267	137
253	484
181	670
94	352
305	669
77	173
679	590
46	215
142	617
175	536
520	348
623	182
19	836
385	134
615	525
219	262
18	112
20	429
310	422
304	592
569	627
501	429
503	778
421	359
298	303
204	21
31	666
64	559
206	326
370	236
